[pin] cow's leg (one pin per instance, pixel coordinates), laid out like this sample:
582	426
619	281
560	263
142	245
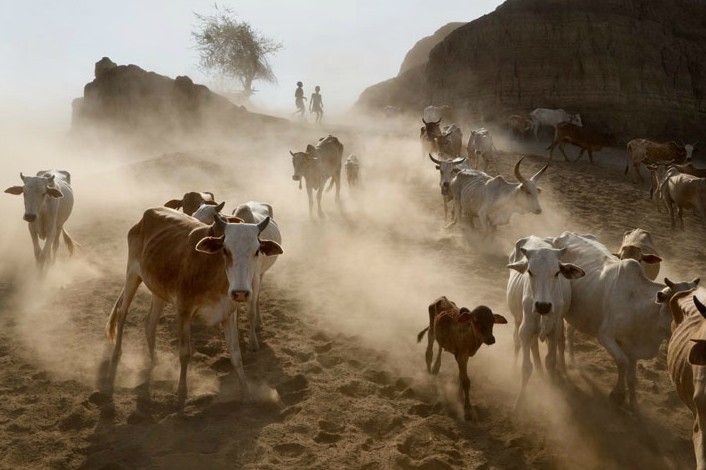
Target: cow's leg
151	321
561	148
258	319
55	246
534	346
35	243
527	337
571	333
465	383
590	155
319	192
52	234
550	358
446	207
437	363
253	314
680	213
337	180
617	395
184	327
230	329
560	344
310	196
516	340
670	208
632	382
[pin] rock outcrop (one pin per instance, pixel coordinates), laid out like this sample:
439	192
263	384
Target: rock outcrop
129	100
419	53
631	67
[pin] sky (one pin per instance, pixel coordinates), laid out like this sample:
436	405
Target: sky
48	48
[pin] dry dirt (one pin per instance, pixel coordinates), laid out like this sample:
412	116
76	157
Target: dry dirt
340	380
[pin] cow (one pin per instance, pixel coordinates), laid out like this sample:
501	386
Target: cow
437	113
427	136
519	125
646	151
684	191
480	144
586	139
690	169
390	111
552	117
191	201
48	200
316	165
352	167
204	270
493	199
615	303
658	172
447	169
450	141
460	332
207	214
686	358
538	295
638	245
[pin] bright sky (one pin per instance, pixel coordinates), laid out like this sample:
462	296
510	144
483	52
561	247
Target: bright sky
48	48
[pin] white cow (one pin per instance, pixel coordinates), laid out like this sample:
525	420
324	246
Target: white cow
552	117
437	113
204	270
616	303
48	202
447	170
538	295
686	361
480	144
492	199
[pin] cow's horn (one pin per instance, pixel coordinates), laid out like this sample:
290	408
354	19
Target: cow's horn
22	176
220	206
518	175
262	225
434	160
291	153
700	307
669	283
219	225
536	176
458	160
425	123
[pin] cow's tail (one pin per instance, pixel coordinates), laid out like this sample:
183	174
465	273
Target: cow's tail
71	245
111	327
627	160
421	334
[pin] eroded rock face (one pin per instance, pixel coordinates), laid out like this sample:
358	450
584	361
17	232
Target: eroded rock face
634	68
419	53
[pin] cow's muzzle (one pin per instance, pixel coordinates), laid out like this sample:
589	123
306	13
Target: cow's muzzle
296	177
490	340
538	211
30	217
240	295
543	308
445	189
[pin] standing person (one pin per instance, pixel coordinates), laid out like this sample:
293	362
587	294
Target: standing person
299	100
316	105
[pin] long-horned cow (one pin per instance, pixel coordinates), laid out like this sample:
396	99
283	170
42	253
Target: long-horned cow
686	361
493	199
615	303
447	170
48	199
538	295
316	165
205	271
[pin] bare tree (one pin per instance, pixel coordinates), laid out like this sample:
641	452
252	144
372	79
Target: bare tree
233	50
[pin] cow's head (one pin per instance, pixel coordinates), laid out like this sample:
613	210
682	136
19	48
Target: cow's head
242	248
36	190
301	161
481	319
545	271
575	119
431	129
635	252
191	201
528	199
689	150
447	169
207	212
672	288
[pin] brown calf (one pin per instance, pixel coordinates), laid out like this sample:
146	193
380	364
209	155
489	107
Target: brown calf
460	332
585	139
191	201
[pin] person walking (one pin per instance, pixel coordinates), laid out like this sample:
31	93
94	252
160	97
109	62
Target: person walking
316	104
299	99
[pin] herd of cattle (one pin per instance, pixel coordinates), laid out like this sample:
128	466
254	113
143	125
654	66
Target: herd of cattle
206	264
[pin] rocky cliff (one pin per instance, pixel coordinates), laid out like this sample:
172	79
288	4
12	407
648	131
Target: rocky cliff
636	68
130	100
419	53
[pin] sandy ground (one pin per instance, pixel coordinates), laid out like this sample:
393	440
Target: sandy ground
340	381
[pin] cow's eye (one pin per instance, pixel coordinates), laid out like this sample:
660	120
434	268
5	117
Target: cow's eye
557	274
226	252
530	273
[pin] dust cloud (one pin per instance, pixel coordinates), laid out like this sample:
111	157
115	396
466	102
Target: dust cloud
367	271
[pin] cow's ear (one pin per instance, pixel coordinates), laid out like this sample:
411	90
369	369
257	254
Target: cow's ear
210	245
16	190
270	248
662	298
173	203
210	203
520	266
231	219
697	355
651	259
499	319
465	315
53	192
571	271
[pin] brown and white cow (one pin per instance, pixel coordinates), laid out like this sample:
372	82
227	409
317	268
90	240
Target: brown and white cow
191	201
686	361
204	270
460	332
645	151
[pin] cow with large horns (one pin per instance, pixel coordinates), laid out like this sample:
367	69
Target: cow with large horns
447	170
493	199
48	199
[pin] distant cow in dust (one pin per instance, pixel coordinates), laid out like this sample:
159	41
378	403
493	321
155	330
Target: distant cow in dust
645	151
438	113
518	125
191	201
352	168
460	332
586	139
48	200
480	145
316	165
552	117
638	245
686	361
